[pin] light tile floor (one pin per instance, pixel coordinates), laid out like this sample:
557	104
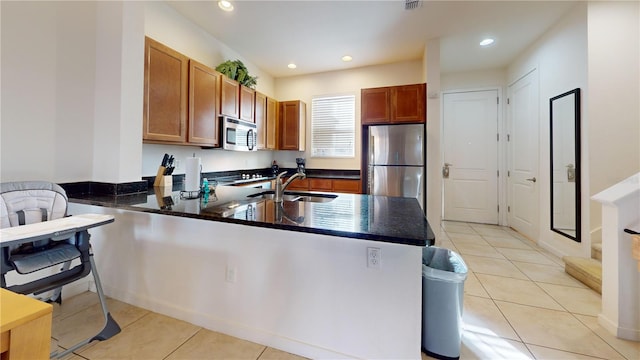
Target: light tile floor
518	304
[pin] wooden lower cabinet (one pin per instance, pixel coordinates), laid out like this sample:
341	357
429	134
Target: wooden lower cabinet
316	184
298	184
346	186
326	185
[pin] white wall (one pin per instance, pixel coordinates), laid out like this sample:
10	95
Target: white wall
560	58
471	80
119	60
48	72
72	91
614	89
433	77
340	82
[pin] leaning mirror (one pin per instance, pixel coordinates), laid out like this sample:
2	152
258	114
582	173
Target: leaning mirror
565	164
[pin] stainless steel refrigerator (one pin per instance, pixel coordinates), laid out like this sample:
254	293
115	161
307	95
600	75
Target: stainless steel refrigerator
396	165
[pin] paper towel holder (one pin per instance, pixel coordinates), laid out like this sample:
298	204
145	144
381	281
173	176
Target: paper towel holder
189	194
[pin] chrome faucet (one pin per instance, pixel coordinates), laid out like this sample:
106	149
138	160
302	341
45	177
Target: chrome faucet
280	187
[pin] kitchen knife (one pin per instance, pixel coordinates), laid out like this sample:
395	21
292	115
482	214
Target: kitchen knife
165	159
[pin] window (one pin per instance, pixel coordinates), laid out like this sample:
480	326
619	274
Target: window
333	126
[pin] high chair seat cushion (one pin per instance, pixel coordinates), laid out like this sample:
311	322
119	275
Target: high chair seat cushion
26	263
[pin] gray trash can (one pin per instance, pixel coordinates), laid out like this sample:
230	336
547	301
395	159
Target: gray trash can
443	276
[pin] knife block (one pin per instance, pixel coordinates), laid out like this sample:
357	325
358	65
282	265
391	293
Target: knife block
162	179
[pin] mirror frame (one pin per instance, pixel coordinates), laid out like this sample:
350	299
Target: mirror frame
578	167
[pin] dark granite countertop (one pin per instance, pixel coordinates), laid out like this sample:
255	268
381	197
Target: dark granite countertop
378	218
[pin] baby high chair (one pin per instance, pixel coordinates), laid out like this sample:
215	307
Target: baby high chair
37	237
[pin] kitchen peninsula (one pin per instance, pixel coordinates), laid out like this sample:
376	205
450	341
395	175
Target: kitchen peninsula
294	276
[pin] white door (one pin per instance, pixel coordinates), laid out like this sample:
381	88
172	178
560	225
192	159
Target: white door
523	182
470	166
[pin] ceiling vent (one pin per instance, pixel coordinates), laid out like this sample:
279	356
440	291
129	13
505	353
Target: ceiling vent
412	4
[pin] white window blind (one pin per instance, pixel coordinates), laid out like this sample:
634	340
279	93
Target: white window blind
333	126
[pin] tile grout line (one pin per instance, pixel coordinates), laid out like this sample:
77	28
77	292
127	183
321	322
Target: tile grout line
182	344
262	352
556	301
596	334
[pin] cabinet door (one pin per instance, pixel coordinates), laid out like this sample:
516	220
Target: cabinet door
292	120
299	184
272	124
408	103
165	93
247	99
260	115
229	97
316	184
346	186
204	127
375	105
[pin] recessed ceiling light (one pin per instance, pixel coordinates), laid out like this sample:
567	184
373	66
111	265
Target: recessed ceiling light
225	5
347	58
486	42
292	66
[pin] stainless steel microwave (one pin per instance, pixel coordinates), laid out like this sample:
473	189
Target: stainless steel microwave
238	135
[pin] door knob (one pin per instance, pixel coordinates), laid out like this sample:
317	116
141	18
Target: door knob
445	170
533	179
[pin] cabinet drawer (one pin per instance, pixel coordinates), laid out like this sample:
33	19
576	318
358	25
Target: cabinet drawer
299	184
346	186
320	185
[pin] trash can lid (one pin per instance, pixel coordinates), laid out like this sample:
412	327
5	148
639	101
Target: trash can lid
443	259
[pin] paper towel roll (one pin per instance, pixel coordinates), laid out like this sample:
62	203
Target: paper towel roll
192	174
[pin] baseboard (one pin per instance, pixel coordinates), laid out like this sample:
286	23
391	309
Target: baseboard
76	288
622	333
238	330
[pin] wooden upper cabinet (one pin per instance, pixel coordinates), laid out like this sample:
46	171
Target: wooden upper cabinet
408	103
204	127
260	116
376	105
165	93
393	104
272	124
292	122
229	97
247	102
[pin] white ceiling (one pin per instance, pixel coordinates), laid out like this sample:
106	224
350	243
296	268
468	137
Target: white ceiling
316	34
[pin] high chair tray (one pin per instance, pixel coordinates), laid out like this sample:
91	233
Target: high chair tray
52	229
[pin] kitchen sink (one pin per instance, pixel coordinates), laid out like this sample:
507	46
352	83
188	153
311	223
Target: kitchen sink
295	196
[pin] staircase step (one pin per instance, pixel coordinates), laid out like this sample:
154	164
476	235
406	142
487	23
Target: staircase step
587	271
596	251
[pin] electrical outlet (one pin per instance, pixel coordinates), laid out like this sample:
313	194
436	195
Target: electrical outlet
231	274
374	257
178	164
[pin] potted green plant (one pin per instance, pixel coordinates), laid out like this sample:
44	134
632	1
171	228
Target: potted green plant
236	70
